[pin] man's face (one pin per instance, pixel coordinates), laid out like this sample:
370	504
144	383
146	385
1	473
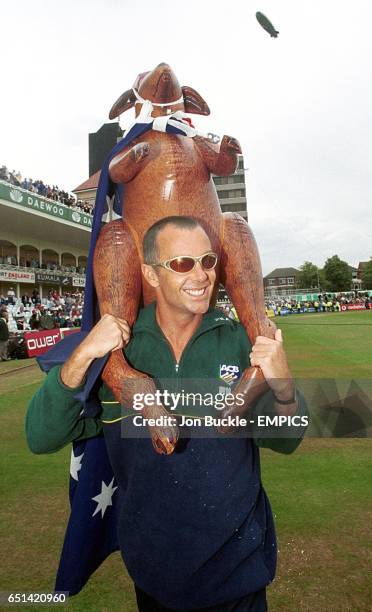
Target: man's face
190	292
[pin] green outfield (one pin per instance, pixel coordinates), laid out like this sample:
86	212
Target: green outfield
329	345
321	495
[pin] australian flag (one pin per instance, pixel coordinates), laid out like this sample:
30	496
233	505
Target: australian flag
91	532
94	497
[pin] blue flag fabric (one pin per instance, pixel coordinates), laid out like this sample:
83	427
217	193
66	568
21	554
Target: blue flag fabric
91	532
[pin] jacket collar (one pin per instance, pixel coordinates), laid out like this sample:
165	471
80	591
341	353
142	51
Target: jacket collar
146	321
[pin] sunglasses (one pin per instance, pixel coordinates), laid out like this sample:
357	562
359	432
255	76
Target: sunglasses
186	263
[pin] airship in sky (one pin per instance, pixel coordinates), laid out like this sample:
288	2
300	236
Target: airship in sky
266	24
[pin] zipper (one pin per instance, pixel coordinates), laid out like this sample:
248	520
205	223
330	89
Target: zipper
177	364
189	344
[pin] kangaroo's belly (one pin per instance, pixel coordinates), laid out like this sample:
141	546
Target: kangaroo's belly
175	181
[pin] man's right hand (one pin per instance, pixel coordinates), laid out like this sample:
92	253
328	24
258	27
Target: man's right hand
109	334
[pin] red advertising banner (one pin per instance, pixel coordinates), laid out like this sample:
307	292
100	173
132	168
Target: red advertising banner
355	307
39	342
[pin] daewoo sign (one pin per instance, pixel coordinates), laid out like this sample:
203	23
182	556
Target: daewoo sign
43	205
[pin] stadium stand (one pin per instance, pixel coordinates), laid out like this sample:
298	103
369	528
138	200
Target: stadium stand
47	191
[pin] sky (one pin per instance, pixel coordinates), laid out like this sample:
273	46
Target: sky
300	104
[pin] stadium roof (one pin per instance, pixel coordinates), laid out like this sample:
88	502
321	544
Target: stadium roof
91	183
281	272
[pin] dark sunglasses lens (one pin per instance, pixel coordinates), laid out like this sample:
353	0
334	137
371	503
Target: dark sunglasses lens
209	261
182	264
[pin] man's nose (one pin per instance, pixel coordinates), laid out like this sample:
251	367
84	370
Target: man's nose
198	272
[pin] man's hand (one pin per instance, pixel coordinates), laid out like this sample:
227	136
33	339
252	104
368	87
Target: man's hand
270	356
109	334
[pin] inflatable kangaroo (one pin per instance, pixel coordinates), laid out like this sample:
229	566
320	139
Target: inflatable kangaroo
170	174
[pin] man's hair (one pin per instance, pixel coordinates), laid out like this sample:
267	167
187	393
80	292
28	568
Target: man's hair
150	246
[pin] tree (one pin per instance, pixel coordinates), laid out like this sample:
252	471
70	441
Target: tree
367	276
309	276
337	273
325	285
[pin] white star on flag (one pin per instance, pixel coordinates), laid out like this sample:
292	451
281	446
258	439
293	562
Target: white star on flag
104	499
75	465
111	214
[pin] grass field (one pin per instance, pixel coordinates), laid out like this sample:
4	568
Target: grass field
329	345
321	495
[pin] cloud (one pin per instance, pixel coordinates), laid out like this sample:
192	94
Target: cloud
300	104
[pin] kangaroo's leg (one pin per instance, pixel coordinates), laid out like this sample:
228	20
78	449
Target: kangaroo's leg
117	277
241	275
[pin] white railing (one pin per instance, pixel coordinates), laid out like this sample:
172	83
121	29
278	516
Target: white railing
44	270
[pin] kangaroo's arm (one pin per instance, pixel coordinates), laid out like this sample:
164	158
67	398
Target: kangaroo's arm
220	159
126	165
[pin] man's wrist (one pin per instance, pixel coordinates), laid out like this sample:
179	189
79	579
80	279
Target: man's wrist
83	353
73	371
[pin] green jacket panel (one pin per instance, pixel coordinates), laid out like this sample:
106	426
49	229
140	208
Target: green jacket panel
218	341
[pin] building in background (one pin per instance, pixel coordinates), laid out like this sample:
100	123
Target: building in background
356	282
101	143
361	268
43	243
281	281
231	190
87	190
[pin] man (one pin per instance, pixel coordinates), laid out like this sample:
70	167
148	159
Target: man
11	296
196	530
4	335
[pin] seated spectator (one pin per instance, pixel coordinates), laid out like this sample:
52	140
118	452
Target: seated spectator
34	321
11	296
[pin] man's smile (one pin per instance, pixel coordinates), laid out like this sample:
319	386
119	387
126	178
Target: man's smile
196	292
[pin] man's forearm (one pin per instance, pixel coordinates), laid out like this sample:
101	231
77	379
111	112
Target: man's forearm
109	334
53	416
75	368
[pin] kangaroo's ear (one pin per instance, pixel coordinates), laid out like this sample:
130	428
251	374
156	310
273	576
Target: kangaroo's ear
193	102
126	101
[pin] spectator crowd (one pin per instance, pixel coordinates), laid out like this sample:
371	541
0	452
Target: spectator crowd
47	191
65	310
32	313
28	262
324	303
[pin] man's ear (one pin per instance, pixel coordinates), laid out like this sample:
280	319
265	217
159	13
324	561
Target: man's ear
150	275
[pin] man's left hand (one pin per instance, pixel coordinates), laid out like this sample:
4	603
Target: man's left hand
270	356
